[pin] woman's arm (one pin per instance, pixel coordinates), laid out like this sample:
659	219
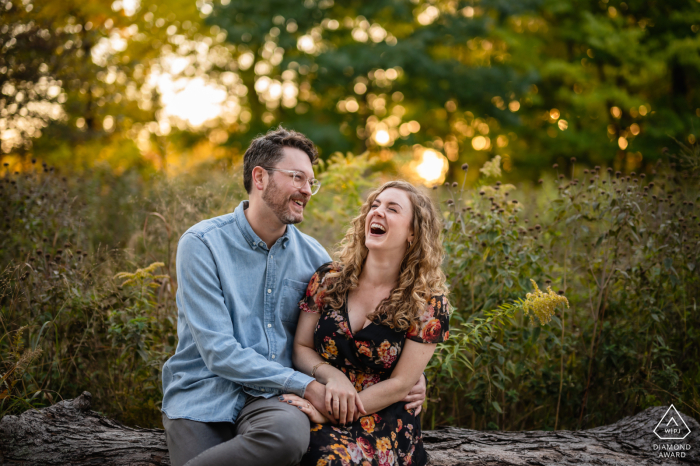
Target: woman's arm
414	357
342	402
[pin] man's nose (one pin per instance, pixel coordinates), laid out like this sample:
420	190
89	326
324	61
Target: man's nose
306	188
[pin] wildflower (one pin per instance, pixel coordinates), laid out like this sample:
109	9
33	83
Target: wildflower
27	358
542	305
140	274
465	166
492	168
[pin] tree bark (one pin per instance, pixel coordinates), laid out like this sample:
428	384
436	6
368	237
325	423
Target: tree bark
70	433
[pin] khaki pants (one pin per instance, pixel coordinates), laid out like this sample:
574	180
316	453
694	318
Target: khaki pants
267	432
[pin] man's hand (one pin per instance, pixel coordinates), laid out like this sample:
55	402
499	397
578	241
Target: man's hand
316	394
416	396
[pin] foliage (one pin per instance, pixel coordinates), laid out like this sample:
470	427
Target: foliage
624	249
98	82
531	80
77	80
59	298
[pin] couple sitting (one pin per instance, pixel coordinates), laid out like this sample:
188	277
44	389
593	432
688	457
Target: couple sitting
369	326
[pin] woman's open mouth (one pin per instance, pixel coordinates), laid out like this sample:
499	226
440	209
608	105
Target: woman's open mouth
376	229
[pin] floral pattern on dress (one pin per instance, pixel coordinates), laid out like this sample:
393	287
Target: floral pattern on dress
393	435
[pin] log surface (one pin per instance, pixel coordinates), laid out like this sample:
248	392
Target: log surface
70	433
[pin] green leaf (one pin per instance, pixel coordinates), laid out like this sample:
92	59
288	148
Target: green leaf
496	406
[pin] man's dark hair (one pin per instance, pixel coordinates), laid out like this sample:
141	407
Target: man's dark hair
266	151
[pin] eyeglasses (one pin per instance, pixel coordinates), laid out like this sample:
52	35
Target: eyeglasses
299	179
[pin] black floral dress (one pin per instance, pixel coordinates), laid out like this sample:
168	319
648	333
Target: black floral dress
391	436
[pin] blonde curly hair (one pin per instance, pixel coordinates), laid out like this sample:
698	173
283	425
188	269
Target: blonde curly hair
420	275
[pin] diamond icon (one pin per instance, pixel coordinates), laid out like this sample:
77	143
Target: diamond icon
672	426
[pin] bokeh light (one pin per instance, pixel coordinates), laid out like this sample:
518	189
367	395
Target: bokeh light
432	167
382	137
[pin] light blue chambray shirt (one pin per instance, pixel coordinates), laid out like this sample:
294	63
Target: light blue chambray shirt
237	313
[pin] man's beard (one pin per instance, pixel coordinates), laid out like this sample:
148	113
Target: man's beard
279	204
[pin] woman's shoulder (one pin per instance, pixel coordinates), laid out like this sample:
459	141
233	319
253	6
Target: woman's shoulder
320	281
323	277
325	274
439	303
329	267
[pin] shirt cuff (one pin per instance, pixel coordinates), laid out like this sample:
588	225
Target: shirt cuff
297	382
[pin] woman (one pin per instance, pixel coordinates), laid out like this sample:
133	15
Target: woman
370	325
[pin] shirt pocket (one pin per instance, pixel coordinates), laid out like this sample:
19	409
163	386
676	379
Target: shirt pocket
292	292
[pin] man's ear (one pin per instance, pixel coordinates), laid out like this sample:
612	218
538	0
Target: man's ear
259	175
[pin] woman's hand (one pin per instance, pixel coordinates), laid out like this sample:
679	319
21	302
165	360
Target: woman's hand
342	400
305	407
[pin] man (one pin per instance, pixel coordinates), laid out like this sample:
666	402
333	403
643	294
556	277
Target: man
240	278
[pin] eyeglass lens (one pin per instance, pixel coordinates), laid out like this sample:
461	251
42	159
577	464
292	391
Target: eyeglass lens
300	179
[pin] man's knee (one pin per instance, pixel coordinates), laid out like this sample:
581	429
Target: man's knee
293	430
282	430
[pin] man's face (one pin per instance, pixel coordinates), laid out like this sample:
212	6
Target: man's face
286	201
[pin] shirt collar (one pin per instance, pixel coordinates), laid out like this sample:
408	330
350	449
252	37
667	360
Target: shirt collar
251	238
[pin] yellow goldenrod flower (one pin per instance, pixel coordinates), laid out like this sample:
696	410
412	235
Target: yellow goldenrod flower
141	274
542	305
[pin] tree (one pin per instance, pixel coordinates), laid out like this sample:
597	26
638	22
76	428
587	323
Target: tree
532	81
79	80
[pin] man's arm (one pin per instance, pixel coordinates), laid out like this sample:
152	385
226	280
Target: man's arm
416	397
201	298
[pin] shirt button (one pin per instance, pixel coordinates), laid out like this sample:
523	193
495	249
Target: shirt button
269	291
273	356
269	325
261	244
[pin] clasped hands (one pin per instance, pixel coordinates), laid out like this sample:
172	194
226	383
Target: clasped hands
339	403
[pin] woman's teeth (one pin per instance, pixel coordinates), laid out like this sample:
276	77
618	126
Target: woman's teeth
377	229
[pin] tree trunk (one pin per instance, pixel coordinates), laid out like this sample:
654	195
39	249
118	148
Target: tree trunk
69	433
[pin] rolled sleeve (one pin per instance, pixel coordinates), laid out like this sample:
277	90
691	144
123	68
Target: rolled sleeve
297	383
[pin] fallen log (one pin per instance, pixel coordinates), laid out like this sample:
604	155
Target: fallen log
70	433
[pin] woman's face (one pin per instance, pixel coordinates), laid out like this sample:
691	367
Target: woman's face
389	222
